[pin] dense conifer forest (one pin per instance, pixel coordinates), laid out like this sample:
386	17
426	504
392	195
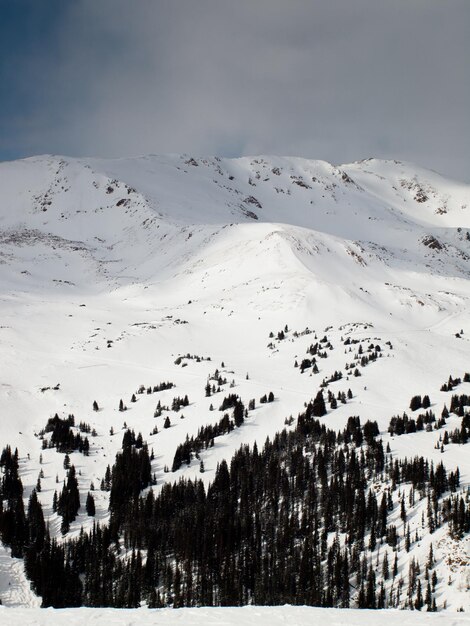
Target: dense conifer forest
303	520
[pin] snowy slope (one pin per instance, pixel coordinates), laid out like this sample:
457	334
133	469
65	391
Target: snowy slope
248	616
110	270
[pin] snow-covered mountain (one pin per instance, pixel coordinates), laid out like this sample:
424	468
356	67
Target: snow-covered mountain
118	274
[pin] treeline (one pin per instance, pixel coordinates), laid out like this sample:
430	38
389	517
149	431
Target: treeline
266	531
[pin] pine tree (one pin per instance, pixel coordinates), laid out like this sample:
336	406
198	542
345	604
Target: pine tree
419	597
428	597
318	407
416	403
403	510
90	505
371	590
407	539
36	523
430	562
68	502
382	597
107	479
238	412
372	538
385	567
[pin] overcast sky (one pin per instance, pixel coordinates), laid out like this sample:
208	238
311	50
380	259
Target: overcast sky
339	80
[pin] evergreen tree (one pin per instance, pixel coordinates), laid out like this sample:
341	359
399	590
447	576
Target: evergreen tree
90	505
419	597
68	501
428	597
385	567
416	403
370	597
430	562
319	408
238	412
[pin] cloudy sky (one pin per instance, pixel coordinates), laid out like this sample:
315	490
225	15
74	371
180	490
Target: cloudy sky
339	80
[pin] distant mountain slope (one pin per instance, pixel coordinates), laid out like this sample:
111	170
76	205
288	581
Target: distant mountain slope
148	219
120	273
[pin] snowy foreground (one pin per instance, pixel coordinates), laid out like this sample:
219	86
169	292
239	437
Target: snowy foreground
256	616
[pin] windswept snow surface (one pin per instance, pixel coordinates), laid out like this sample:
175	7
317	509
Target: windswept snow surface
246	616
112	269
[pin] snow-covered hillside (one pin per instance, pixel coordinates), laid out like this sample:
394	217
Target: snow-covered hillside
118	274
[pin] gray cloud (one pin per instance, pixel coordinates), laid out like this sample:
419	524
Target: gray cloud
339	80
